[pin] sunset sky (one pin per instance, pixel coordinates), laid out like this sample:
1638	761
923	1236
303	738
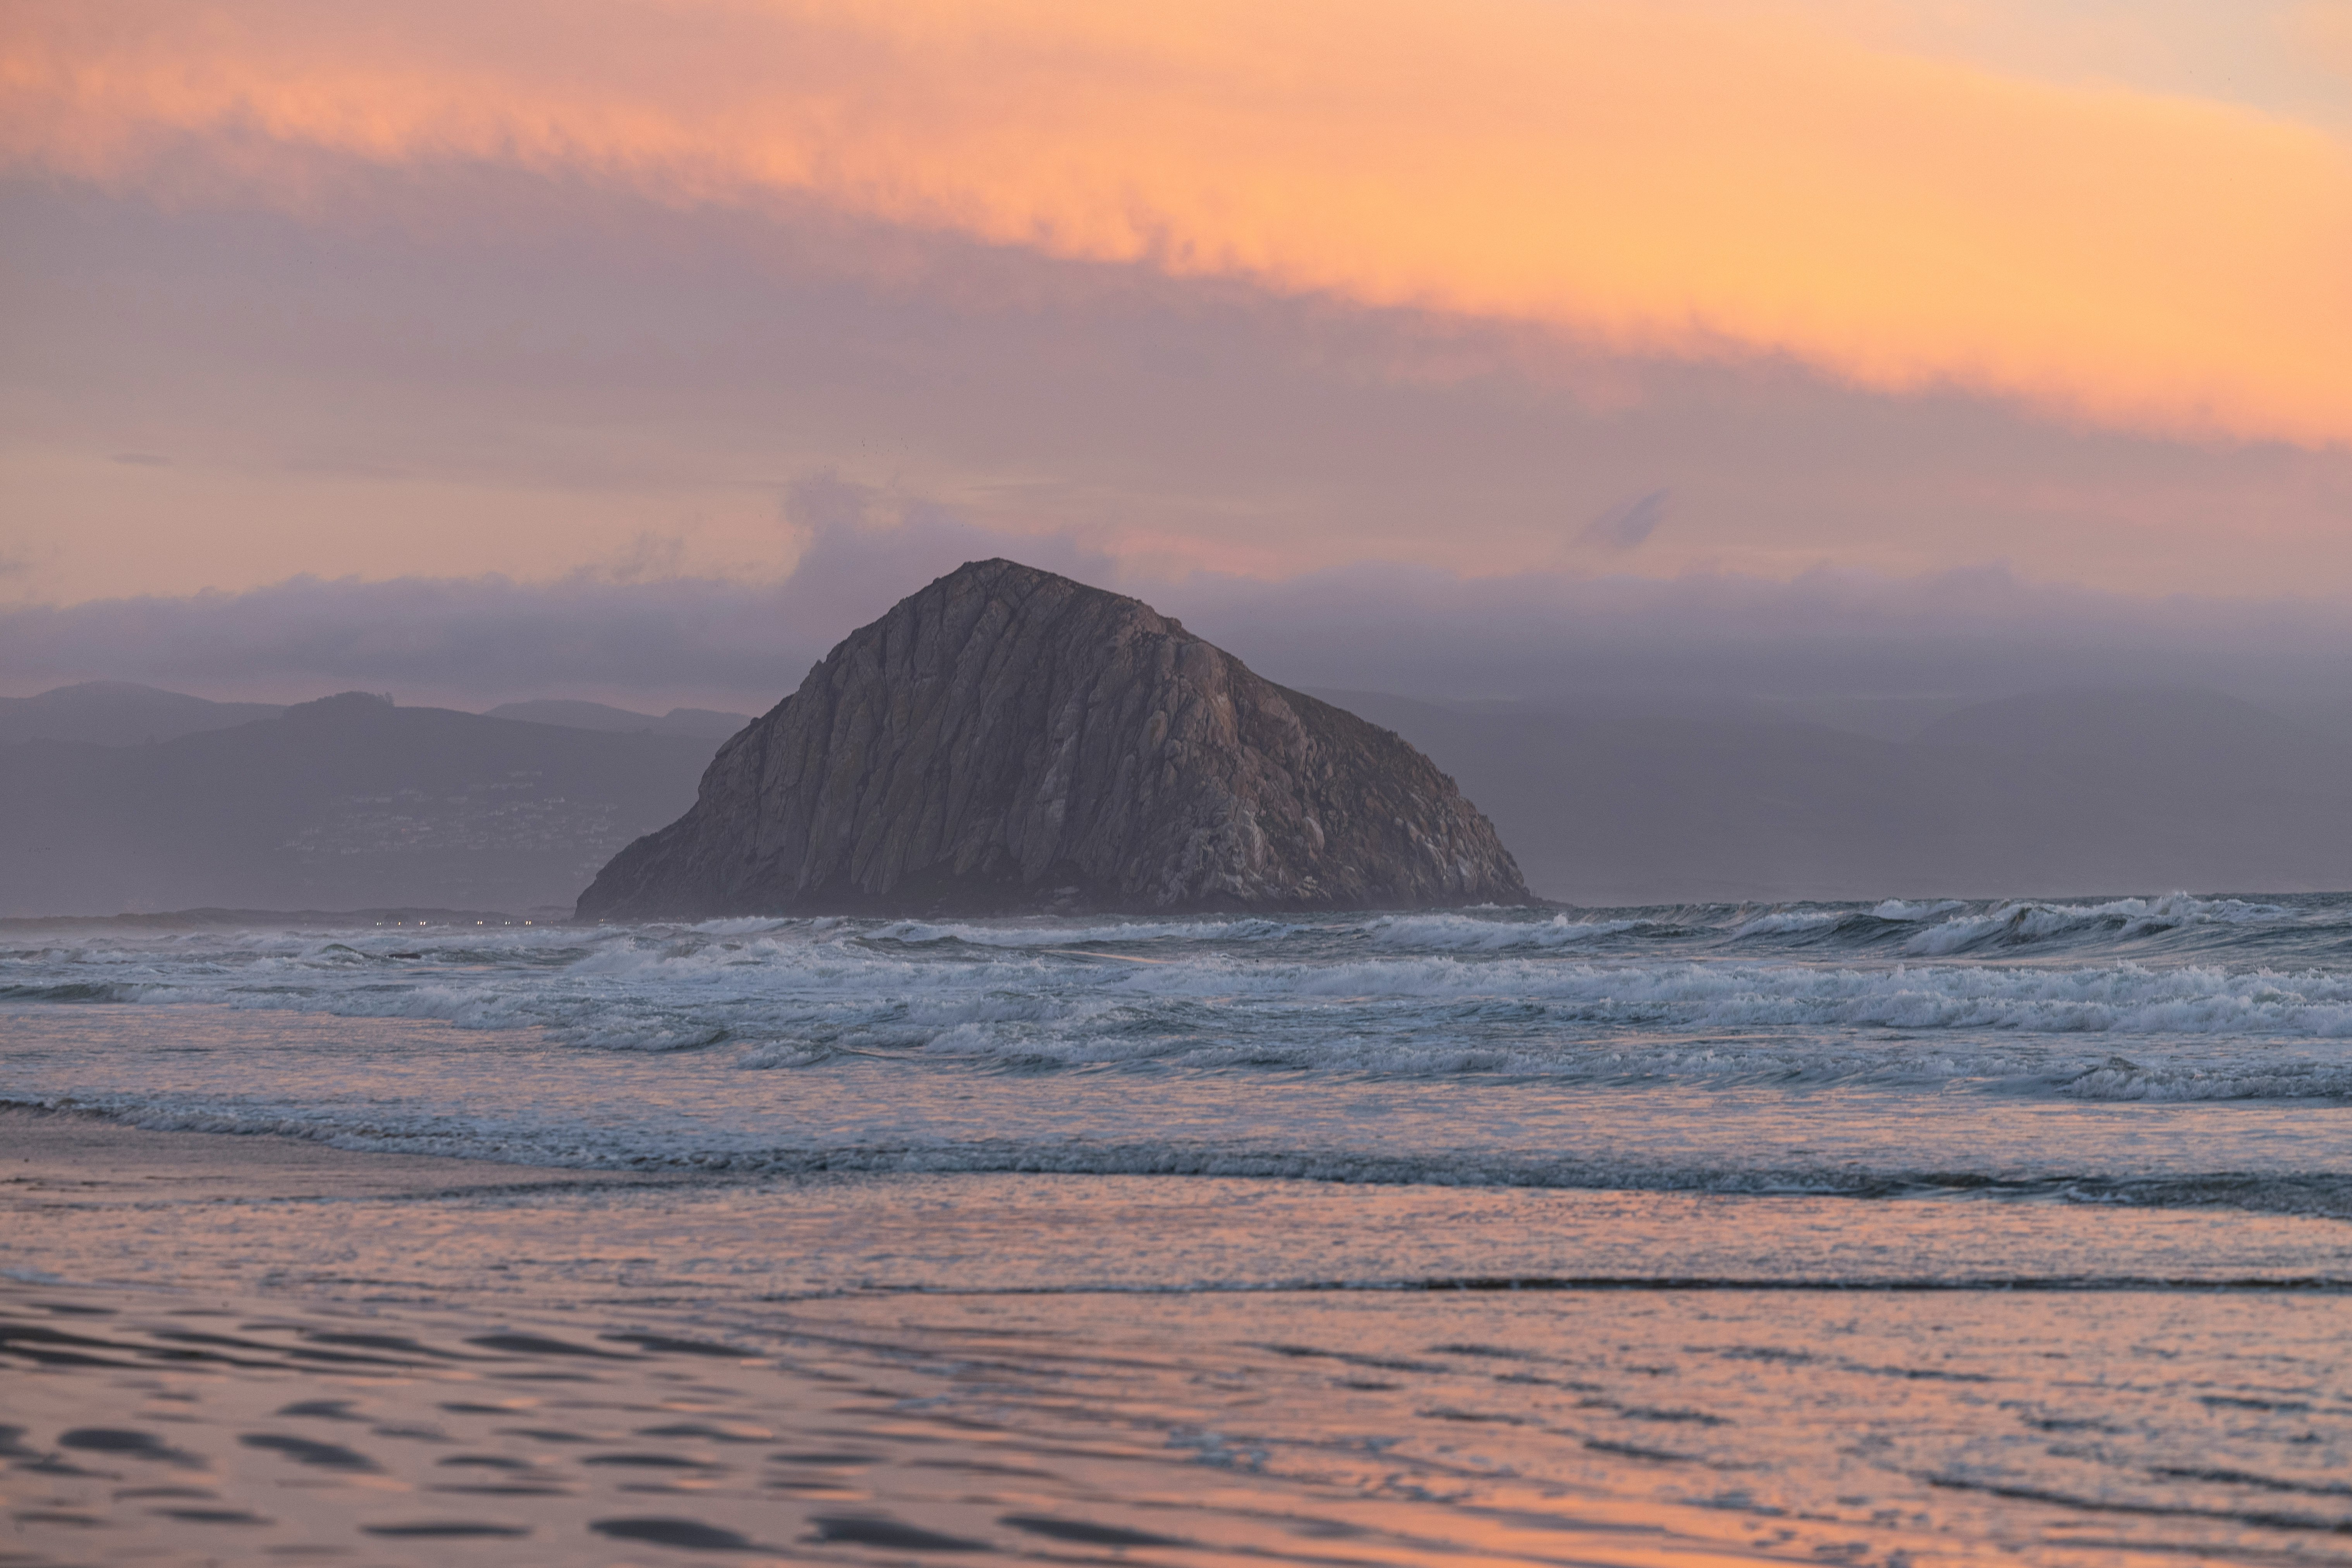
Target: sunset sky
1536	294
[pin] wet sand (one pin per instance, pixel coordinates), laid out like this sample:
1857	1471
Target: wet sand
158	1423
64	1154
174	1391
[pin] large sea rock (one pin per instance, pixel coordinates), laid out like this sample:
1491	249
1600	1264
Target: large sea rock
1007	740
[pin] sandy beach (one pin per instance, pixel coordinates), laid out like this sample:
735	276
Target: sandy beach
163	1418
180	1390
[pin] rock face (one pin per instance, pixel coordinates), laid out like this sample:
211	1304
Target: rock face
1007	740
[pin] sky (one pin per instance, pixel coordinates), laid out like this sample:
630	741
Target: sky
436	346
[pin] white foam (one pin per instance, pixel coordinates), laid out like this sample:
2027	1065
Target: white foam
1781	922
1040	932
1422	995
2027	921
1898	909
764	986
1464	933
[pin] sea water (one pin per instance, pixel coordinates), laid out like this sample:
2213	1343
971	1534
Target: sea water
1864	1231
2127	1052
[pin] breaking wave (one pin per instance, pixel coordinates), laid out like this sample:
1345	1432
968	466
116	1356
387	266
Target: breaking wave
1894	993
1891	1045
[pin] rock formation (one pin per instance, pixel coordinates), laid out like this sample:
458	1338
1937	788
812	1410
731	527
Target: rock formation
1007	740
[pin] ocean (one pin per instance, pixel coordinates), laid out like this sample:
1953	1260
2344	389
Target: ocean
1863	1233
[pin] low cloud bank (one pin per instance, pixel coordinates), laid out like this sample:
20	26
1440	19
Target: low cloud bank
1976	633
654	643
476	640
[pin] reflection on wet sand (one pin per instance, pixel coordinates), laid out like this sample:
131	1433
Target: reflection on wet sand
1629	1427
1593	1428
825	1444
239	1349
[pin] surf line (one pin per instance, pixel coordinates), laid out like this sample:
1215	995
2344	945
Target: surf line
1082	953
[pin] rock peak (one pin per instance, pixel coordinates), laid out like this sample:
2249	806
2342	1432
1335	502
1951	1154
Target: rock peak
1017	581
1007	739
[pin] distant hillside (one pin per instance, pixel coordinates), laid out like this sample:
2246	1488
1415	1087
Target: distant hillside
352	803
2059	792
118	713
705	723
344	803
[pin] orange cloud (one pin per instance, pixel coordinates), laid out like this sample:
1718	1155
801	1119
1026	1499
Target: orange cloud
2324	30
1667	179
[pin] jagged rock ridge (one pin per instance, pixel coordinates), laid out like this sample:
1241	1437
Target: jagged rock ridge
1008	741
